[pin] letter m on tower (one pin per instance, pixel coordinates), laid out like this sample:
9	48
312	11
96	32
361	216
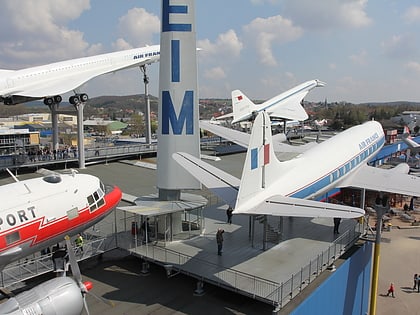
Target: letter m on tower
185	116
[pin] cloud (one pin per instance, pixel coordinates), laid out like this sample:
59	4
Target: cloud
327	14
360	58
412	14
400	46
413	66
226	45
265	32
138	27
37	31
216	73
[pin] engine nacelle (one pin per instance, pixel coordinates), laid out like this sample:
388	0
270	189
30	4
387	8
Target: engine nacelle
58	296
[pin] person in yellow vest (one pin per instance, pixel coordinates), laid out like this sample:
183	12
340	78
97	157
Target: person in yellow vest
79	242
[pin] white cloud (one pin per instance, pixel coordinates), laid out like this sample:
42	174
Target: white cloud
137	27
37	31
265	32
216	73
360	58
413	66
226	45
327	14
412	14
400	46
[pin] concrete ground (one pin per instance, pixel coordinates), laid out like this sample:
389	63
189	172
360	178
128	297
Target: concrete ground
399	261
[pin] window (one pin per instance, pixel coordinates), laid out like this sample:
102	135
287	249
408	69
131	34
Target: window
12	238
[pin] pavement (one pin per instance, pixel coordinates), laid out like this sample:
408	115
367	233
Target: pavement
399	261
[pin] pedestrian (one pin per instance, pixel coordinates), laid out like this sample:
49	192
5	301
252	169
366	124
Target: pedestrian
418	283
336	225
219	240
391	290
229	213
415	281
79	242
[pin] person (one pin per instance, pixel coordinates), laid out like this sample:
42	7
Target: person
219	240
229	213
415	281
391	290
145	230
336	225
59	258
79	242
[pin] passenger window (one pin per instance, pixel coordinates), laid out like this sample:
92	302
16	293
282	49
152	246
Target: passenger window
12	238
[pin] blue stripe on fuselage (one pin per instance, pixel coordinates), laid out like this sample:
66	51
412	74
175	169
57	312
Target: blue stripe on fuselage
339	172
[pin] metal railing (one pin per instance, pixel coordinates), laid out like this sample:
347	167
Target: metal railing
40	264
278	294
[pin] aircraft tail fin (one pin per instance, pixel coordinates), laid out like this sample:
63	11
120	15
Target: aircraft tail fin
261	167
242	106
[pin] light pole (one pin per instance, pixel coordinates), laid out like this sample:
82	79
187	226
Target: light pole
381	207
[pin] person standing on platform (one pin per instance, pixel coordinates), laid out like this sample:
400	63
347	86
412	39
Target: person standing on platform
229	213
79	242
336	225
219	240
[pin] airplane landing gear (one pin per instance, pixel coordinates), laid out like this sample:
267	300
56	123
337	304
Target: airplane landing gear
76	99
53	100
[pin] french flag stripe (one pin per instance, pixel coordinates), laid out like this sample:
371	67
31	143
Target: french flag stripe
254	158
266	154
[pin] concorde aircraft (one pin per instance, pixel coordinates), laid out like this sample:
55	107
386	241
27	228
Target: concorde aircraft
49	81
286	105
271	187
38	213
413	145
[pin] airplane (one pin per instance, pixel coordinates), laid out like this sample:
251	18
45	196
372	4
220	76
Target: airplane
58	296
37	213
271	187
414	146
49	81
286	105
243	138
40	212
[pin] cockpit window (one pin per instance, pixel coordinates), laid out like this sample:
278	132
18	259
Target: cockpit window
96	200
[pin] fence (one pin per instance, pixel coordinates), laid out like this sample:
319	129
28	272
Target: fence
278	294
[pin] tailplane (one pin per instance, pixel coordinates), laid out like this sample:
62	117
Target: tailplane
242	106
261	168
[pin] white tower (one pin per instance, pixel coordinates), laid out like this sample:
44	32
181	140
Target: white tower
178	128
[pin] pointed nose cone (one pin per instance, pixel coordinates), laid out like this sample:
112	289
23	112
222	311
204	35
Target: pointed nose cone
88	285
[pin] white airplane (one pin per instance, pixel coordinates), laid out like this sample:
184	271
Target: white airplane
49	81
243	138
414	146
286	105
38	213
271	187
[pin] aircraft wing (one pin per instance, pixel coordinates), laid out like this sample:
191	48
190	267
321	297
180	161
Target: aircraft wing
219	182
70	81
295	207
242	138
395	180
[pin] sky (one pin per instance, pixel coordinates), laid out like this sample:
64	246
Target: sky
364	51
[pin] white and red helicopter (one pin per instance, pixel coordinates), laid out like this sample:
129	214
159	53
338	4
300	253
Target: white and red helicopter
40	212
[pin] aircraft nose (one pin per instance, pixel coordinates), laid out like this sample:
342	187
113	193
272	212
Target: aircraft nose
88	285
